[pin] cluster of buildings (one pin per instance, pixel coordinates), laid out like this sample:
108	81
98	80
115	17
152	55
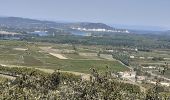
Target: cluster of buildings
9	35
131	76
101	30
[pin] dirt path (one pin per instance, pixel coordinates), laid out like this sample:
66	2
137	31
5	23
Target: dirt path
58	56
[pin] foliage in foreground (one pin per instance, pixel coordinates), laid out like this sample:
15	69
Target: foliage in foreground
33	84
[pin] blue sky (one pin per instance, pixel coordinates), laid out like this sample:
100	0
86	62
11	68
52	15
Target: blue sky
128	12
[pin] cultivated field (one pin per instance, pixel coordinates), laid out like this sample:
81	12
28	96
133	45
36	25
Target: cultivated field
154	60
56	56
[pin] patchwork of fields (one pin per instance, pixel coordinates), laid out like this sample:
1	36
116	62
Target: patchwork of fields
152	61
56	56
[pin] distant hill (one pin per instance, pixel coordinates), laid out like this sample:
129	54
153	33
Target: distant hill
97	27
26	23
92	26
17	22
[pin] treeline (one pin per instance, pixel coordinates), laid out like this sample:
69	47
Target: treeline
118	40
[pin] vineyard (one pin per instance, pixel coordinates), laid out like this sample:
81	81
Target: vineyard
43	55
33	84
124	58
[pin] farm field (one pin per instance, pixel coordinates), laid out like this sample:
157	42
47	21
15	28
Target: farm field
155	59
147	57
55	56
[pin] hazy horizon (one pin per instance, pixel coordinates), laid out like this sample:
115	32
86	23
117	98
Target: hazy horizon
113	12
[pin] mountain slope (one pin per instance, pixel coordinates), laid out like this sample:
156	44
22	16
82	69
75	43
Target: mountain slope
17	22
25	23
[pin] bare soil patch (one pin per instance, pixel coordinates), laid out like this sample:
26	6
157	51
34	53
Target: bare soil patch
58	56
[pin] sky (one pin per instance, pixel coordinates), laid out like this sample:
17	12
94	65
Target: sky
127	12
